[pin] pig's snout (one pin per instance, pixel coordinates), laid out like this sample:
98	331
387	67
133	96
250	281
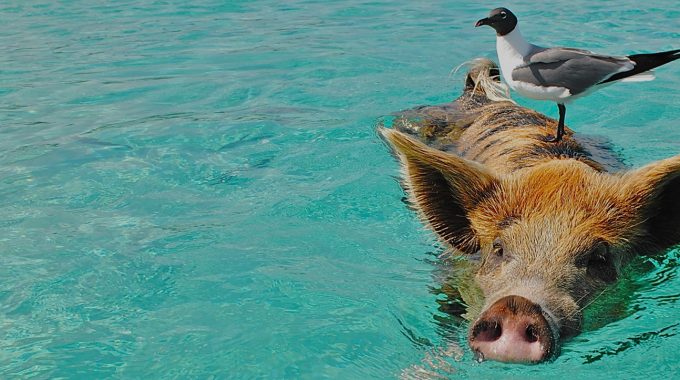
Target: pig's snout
514	330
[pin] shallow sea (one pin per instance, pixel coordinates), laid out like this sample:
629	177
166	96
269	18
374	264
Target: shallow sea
195	189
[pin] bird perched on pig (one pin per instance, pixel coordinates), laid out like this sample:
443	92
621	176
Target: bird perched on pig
563	74
551	224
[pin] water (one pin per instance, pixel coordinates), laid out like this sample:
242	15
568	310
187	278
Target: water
195	189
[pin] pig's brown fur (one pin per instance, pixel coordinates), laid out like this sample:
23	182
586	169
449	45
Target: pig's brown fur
564	222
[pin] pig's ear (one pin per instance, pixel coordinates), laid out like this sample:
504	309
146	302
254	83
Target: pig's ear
444	188
655	190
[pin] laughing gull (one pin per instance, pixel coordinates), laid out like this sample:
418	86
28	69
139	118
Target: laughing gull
562	74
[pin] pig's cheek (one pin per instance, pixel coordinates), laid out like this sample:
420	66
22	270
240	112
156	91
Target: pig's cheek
491	267
487	282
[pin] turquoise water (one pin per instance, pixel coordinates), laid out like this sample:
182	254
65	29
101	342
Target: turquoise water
195	189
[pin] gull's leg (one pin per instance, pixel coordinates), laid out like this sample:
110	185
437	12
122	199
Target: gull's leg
560	124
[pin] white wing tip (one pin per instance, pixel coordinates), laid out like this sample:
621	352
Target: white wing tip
642	77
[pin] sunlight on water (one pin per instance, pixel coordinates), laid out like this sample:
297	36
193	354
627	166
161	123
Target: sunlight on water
196	190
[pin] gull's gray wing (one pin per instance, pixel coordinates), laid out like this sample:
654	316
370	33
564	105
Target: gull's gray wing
574	69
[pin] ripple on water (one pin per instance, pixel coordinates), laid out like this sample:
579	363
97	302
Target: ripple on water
194	189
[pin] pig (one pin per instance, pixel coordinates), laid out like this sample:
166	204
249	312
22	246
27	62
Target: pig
546	226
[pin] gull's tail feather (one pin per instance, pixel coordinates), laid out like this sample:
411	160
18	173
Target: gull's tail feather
643	64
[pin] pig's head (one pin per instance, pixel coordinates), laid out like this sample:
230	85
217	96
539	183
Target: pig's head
548	238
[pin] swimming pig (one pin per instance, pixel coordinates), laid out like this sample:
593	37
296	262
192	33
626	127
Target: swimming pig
548	225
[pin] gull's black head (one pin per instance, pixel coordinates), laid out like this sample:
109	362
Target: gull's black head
500	19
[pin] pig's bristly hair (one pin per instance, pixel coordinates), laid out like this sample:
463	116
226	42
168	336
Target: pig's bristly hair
505	140
655	191
428	173
484	77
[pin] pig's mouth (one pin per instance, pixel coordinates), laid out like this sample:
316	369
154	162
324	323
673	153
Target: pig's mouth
514	330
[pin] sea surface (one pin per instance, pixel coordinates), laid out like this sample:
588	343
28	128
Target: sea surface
195	189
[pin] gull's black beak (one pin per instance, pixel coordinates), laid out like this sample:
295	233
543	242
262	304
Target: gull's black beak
484	21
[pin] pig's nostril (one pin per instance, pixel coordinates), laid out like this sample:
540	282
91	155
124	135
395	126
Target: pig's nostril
487	331
512	329
531	334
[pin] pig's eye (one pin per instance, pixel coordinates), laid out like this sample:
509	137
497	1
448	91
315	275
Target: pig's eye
600	264
498	248
494	256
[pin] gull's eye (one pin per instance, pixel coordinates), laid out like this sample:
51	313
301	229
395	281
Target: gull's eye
504	15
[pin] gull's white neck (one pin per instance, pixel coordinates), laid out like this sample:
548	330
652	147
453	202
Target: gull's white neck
513	41
511	49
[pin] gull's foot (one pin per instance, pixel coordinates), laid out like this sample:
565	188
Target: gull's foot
552	139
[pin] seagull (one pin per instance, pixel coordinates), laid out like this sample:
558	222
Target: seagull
562	74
